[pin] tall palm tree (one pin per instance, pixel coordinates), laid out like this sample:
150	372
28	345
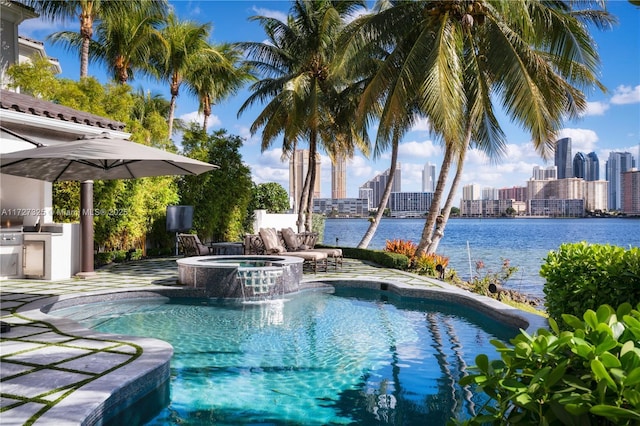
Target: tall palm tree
216	75
182	42
298	83
453	59
88	11
124	41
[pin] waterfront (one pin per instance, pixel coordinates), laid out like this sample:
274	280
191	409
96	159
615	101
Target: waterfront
524	241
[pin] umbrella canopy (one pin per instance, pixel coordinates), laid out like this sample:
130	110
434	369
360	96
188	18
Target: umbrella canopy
99	157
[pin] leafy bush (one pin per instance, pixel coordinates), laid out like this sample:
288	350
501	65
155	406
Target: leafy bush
589	375
583	276
388	260
422	263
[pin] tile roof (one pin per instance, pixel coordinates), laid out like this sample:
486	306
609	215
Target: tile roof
29	105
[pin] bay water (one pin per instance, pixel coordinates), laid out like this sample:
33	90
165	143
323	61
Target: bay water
525	242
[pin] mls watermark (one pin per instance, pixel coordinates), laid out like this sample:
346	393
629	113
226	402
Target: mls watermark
63	212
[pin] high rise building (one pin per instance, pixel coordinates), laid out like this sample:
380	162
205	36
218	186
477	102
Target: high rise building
489	193
630	184
339	178
378	183
618	163
517	193
429	178
471	192
593	167
298	167
580	165
548	173
563	158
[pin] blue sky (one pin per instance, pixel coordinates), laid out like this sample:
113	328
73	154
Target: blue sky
611	123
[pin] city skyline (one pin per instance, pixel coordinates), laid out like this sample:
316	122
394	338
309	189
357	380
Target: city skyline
610	122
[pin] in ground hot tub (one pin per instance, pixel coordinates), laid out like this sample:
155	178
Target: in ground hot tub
241	277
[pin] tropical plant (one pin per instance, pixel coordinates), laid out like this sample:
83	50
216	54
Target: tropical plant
181	43
87	11
587	375
449	61
298	83
214	75
220	197
582	276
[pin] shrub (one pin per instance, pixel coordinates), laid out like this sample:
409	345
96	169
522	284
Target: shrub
583	276
388	260
589	375
422	263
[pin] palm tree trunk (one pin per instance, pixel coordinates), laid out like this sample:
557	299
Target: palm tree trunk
172	111
441	223
86	31
434	210
304	194
373	225
312	181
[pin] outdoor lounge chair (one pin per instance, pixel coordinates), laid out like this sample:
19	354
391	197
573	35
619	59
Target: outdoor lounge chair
273	245
191	245
306	241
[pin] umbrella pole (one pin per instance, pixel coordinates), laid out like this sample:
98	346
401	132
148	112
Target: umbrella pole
86	229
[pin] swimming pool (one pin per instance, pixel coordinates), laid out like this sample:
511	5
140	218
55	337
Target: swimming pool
355	356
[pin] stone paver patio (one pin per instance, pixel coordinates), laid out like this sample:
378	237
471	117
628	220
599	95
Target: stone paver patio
52	371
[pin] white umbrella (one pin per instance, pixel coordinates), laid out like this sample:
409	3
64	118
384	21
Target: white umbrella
98	157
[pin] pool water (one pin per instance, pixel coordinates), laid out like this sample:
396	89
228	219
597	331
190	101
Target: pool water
351	357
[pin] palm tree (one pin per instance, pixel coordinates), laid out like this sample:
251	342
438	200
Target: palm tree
453	59
298	83
182	42
124	41
215	76
88	11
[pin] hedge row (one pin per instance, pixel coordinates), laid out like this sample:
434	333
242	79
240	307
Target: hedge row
582	276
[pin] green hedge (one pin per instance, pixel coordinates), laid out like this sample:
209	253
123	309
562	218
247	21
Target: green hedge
583	276
382	258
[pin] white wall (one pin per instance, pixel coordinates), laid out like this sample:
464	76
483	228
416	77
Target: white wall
273	220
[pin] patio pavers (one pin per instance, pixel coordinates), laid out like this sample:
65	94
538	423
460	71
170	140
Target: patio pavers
43	365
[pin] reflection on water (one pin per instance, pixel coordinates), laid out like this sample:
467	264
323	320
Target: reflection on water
349	358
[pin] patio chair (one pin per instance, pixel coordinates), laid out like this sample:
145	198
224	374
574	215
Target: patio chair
273	245
191	245
306	241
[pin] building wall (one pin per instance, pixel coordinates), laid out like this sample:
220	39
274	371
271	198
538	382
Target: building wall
618	163
349	207
417	202
631	192
300	173
429	178
563	158
339	178
595	195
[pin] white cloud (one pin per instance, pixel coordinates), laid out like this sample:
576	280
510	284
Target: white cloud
261	11
421	124
359	167
626	95
583	140
197	117
414	149
596	108
41	27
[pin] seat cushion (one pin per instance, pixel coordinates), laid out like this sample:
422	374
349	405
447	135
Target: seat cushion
291	240
270	239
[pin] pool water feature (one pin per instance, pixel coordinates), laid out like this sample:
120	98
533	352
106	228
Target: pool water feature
356	356
248	278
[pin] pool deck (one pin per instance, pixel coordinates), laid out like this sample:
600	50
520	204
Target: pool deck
52	371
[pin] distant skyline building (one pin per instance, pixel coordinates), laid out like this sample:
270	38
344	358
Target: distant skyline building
339	178
580	165
593	167
379	182
490	193
618	163
586	166
471	192
630	184
429	178
563	159
546	173
298	172
517	193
